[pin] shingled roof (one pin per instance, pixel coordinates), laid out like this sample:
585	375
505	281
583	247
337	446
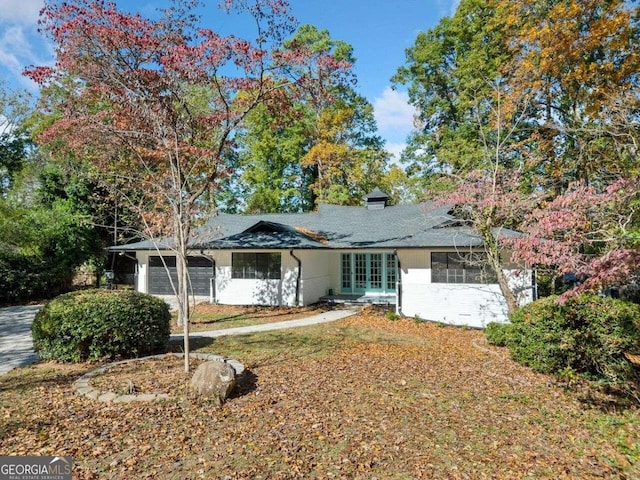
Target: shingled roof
424	225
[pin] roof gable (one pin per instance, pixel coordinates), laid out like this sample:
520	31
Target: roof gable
265	226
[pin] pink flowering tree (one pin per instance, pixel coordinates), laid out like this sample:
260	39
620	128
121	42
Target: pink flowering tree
492	202
491	197
155	105
586	232
592	232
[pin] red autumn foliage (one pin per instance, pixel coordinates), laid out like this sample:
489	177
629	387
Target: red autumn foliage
155	104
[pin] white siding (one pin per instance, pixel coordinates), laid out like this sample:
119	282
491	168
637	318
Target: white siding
474	305
316	274
235	291
455	304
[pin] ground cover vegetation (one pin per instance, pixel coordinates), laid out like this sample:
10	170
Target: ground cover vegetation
359	398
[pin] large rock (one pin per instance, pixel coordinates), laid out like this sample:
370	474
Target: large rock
215	380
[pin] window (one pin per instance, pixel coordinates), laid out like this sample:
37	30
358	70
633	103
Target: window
346	272
256	265
467	267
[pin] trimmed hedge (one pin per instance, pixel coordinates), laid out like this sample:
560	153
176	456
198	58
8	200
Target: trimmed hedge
588	335
94	324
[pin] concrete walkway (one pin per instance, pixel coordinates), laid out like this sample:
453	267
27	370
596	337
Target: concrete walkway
16	345
325	317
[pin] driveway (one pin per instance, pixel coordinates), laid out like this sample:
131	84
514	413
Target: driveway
16	345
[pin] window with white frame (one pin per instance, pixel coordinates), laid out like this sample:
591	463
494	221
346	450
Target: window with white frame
256	266
461	267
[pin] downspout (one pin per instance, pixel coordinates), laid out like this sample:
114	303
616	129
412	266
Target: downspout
212	279
398	284
298	276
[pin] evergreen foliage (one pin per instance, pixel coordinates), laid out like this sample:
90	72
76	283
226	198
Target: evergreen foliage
93	324
587	334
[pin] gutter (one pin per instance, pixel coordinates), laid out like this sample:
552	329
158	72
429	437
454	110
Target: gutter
398	284
212	279
297	277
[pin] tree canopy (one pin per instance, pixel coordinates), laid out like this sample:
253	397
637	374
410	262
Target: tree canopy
537	103
156	104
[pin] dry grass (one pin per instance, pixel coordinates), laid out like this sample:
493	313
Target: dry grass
364	397
218	317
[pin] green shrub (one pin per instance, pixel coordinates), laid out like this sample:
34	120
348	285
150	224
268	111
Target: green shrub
588	334
26	277
497	333
93	324
392	316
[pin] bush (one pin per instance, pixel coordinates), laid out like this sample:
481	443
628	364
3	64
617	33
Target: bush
588	335
41	248
93	324
497	333
27	277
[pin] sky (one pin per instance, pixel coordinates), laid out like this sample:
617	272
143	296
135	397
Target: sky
379	30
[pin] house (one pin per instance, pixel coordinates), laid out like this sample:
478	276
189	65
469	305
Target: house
417	257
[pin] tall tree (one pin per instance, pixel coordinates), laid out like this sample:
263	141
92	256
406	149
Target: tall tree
270	148
578	63
15	141
448	69
321	148
346	157
156	103
559	104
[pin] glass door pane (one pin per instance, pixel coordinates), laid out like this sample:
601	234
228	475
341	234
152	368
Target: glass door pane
375	272
360	270
392	273
346	272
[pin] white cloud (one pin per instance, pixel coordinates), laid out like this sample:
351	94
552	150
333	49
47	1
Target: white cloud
395	149
393	112
21	11
20	47
15	39
16	52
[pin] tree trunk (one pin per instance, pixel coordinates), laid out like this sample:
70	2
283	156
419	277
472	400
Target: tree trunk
492	248
183	301
510	298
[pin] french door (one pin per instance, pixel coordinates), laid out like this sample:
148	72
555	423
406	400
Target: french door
368	272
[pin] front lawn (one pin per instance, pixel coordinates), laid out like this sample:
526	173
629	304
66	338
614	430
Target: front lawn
219	317
364	397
